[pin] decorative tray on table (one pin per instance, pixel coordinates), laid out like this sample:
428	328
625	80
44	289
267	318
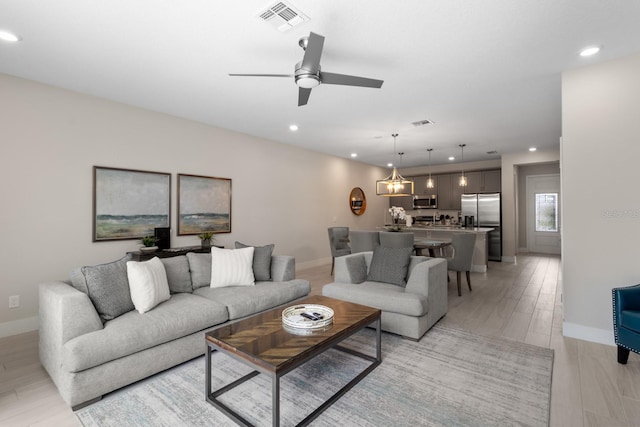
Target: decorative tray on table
307	316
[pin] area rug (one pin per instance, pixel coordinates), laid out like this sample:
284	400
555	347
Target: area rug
449	378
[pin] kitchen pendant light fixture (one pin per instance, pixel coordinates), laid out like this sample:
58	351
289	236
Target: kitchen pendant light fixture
395	184
463	179
429	183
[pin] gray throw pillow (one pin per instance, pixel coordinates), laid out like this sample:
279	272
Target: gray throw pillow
178	274
261	261
200	267
107	286
390	265
357	267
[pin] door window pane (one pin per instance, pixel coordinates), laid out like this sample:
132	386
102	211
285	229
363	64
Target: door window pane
547	212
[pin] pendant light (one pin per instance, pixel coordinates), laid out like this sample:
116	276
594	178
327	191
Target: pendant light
395	184
429	183
463	179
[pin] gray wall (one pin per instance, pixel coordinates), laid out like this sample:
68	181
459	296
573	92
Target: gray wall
600	179
51	139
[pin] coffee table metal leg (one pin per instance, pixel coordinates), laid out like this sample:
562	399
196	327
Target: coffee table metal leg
379	341
275	396
207	391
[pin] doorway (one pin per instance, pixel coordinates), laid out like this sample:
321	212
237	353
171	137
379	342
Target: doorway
543	214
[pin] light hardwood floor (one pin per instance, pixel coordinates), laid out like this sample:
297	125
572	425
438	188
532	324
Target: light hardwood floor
519	301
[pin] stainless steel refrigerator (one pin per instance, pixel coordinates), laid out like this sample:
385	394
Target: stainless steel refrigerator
486	210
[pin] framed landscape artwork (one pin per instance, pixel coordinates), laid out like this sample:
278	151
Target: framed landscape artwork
129	204
204	204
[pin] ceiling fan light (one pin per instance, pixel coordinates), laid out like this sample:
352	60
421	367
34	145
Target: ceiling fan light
307	81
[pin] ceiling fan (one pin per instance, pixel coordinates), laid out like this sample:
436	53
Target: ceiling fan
308	75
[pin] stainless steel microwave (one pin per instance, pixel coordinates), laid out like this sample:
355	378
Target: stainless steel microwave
425	202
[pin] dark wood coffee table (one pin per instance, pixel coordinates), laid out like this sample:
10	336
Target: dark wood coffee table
261	342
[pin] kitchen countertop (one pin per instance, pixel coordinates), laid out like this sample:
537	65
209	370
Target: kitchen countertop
438	227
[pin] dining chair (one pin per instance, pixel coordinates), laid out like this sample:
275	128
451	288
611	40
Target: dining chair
463	245
396	239
339	243
363	241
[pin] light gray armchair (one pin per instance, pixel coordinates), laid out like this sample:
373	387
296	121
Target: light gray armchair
463	245
409	310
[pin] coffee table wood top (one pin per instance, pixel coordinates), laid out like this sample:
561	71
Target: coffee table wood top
263	341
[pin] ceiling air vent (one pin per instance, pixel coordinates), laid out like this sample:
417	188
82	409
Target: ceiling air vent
422	123
283	16
492	152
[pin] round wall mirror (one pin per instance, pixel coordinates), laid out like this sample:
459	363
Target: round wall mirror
357	201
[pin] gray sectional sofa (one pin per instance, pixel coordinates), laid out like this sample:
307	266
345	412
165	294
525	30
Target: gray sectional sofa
88	355
410	307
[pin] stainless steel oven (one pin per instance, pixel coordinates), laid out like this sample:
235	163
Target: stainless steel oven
425	202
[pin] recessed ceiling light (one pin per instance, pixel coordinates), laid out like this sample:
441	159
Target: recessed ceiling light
389	165
9	37
591	50
293	128
452	158
532	149
354	154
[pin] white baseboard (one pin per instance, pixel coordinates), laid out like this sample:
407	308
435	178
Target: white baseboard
511	259
587	333
20	326
479	268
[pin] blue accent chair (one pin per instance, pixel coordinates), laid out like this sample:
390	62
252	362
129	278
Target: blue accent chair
626	321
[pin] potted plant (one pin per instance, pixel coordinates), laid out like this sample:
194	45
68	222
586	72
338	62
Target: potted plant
206	238
149	243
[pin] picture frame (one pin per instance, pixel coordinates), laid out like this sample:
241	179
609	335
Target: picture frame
129	204
204	204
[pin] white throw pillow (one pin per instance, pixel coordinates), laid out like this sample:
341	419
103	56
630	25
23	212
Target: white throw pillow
147	283
232	267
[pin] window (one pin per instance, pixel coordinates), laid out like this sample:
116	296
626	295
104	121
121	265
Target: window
547	212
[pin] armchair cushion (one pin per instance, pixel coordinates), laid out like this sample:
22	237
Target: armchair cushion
390	265
630	319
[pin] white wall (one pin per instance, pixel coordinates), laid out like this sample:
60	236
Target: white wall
51	138
601	181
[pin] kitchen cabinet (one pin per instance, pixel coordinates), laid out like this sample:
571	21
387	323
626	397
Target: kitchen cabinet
405	202
474	182
491	181
445	195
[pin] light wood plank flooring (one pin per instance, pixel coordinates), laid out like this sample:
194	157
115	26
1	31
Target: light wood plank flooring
519	301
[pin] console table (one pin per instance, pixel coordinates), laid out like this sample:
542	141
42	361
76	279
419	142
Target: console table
168	253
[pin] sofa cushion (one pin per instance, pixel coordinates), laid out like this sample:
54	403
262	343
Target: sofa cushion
261	260
390	265
357	269
107	286
181	315
243	301
232	267
178	274
200	267
386	297
148	283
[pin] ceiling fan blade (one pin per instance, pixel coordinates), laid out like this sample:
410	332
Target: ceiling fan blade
344	79
313	52
261	75
303	96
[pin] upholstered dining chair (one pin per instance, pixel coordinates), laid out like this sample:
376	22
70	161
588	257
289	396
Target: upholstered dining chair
626	321
396	239
339	243
463	245
363	241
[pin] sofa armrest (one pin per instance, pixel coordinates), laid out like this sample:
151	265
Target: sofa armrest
283	268
64	313
425	274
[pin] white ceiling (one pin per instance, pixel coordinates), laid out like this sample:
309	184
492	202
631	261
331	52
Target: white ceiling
486	72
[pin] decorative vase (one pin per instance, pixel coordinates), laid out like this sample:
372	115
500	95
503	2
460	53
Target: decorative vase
206	244
148	249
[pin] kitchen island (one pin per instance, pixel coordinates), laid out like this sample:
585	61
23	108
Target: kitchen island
444	233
